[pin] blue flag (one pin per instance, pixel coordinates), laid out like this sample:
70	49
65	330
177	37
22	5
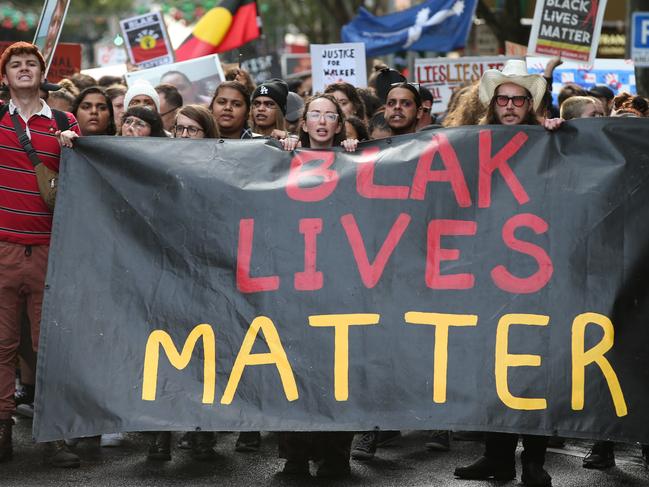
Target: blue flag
434	25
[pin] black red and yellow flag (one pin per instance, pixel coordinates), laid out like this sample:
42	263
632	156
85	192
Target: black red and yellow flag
228	26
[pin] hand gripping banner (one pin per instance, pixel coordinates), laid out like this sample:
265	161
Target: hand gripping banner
479	278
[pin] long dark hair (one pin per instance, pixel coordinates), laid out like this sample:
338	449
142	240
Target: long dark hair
98	90
351	93
339	137
490	117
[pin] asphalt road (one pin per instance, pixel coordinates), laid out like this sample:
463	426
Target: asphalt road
405	463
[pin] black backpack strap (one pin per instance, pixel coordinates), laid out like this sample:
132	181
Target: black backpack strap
24	140
61	119
4	108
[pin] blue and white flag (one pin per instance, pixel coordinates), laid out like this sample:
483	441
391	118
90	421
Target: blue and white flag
434	25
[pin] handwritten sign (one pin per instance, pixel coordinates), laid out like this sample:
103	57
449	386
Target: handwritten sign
333	63
443	75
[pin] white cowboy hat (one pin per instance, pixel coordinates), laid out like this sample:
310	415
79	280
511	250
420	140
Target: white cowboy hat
514	71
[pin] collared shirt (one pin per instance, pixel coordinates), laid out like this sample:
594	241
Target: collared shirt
45	111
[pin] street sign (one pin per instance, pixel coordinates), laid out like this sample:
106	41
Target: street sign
640	38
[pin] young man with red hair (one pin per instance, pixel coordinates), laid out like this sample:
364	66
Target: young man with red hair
30	153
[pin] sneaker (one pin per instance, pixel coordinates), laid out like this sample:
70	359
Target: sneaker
26	410
439	441
248	441
111	440
58	455
365	447
24	395
388	437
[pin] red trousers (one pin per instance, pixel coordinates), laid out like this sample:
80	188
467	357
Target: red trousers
22	281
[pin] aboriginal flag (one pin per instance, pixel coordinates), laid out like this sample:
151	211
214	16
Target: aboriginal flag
229	25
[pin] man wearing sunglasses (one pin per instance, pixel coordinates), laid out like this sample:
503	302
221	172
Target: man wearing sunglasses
512	97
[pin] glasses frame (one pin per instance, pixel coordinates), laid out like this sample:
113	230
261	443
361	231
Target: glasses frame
191	130
513	99
328	116
136	123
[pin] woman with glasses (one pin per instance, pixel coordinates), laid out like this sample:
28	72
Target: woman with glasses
323	127
194	122
139	121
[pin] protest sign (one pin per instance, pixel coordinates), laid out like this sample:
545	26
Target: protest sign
482	278
109	55
443	75
567	28
146	40
49	28
262	68
195	79
334	63
617	74
65	61
295	65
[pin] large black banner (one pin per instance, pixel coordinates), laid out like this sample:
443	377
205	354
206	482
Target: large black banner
481	278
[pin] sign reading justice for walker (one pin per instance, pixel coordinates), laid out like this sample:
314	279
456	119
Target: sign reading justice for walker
567	28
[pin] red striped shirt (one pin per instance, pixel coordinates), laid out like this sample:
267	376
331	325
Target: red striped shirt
24	217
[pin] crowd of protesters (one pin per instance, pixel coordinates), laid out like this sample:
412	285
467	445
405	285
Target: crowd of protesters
38	118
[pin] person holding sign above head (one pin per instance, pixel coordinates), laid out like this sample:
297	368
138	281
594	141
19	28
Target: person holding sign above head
269	109
512	97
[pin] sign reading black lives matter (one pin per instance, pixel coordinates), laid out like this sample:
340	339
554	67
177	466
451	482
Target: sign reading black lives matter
147	42
483	278
567	28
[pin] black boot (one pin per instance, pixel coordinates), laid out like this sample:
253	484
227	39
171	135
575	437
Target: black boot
59	455
534	475
600	456
248	441
160	446
6	450
486	468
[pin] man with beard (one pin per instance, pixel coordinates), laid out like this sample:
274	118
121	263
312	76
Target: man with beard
512	97
403	108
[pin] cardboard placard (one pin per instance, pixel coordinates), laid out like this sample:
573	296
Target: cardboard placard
296	65
146	40
49	28
334	63
195	79
567	28
443	75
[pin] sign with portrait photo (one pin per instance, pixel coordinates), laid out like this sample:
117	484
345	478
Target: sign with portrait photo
49	28
195	79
